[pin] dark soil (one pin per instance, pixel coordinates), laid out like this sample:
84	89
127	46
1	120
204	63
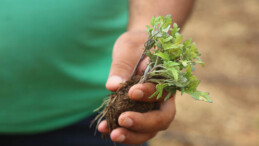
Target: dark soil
120	102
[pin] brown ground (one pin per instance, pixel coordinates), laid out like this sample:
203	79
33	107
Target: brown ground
227	33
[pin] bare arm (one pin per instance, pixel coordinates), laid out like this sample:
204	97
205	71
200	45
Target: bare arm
141	11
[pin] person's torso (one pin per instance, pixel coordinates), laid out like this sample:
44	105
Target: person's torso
55	57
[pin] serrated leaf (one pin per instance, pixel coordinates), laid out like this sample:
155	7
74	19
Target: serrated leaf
172	61
205	97
188	72
164	56
197	95
168	39
193	47
175	73
193	84
170	46
175	26
187	43
178	38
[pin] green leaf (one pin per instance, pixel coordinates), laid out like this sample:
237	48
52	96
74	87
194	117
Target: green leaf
154	94
170	46
152	21
175	29
175	73
193	47
205	97
178	38
164	56
188	72
167	21
172	61
202	96
200	62
187	43
182	81
193	84
185	63
168	96
168	39
166	29
160	88
171	64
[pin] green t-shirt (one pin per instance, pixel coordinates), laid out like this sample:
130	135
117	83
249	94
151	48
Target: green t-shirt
55	57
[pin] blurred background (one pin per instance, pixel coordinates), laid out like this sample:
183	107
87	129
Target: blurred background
227	35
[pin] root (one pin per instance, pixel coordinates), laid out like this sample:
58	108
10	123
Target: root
102	114
118	103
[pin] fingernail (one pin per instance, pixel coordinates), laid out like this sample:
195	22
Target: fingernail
138	93
115	79
127	122
121	138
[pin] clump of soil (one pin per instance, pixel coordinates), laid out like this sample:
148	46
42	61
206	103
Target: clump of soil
120	102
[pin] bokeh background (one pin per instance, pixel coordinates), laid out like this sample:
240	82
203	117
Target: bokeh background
227	35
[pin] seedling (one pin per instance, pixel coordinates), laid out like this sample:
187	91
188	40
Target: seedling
171	67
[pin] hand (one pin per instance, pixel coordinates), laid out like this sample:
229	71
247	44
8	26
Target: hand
136	128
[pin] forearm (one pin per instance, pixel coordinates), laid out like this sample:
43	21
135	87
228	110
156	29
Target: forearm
141	11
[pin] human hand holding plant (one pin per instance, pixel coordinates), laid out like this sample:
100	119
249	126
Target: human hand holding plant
135	127
169	68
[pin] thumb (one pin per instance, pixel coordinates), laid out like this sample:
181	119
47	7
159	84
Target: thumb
126	52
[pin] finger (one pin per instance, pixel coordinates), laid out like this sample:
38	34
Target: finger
103	128
142	92
126	52
151	121
122	135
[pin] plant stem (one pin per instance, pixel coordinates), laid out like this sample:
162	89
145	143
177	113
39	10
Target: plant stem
156	61
148	45
144	77
137	65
